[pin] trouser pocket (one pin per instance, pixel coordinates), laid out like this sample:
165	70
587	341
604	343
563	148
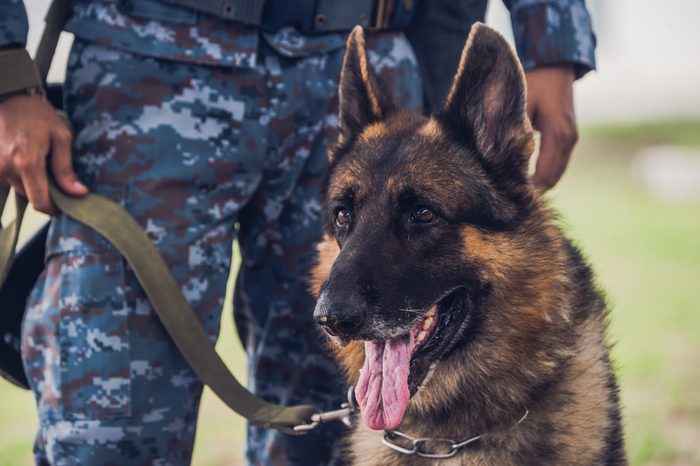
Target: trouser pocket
93	335
76	337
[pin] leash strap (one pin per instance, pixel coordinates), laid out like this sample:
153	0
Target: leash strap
22	78
121	230
114	223
55	19
10	233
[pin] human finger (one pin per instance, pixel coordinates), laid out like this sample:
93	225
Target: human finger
62	163
32	170
556	145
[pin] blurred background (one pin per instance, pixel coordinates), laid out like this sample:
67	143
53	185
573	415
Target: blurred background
630	199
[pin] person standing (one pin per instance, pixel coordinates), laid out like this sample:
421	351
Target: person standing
207	127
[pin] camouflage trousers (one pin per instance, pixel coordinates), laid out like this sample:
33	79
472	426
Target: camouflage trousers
200	156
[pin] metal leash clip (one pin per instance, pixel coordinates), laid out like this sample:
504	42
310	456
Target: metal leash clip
343	415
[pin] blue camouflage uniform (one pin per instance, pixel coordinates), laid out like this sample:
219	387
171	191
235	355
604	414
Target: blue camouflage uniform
206	131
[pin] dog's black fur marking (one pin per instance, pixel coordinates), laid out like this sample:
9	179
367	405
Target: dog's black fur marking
532	319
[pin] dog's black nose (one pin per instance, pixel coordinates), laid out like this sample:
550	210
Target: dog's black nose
340	320
342	323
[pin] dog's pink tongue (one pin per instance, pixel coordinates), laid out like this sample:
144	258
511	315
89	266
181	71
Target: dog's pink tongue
382	390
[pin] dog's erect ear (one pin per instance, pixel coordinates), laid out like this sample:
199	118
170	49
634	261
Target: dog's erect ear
361	102
486	103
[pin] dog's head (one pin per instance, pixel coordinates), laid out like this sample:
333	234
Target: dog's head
421	218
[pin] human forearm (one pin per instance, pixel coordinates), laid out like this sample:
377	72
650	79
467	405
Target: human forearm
550	107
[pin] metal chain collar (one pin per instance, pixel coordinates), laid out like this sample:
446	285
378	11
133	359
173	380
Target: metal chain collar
426	447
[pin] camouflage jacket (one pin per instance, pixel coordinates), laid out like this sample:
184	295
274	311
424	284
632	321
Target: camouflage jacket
546	31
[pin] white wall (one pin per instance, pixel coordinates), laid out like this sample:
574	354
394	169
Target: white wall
648	60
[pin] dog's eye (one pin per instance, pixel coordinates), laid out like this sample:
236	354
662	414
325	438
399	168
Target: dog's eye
423	215
342	216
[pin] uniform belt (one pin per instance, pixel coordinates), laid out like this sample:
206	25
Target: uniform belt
309	16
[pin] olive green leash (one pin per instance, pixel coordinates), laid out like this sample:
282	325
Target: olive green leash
121	230
114	223
9	234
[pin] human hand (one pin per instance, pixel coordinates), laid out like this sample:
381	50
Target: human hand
550	106
31	132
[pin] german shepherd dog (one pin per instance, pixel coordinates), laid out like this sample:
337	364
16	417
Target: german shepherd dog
453	301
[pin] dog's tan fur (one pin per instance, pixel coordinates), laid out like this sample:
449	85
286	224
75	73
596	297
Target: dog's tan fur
541	339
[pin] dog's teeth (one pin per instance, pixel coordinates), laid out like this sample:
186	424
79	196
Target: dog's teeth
432	311
427	323
421	336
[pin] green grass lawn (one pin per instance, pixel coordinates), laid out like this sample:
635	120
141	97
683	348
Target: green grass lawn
647	255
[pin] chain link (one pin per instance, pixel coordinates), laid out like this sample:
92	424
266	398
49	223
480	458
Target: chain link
442	448
424	447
